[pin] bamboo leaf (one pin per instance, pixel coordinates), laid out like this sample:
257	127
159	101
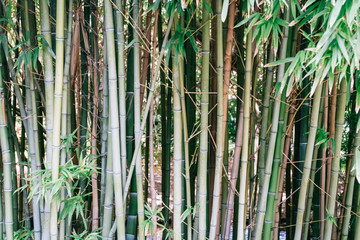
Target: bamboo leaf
307	4
279	62
244	21
225	9
341	44
335	12
130	44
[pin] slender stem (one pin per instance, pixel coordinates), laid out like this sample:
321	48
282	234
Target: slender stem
308	161
335	163
245	140
178	143
6	160
203	152
114	126
219	130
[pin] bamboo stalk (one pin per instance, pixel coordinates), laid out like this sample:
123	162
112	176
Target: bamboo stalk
33	136
307	163
310	193
271	201
272	142
219	130
234	174
114	116
121	79
265	117
104	137
49	96
59	71
178	134
151	92
109	195
323	161
245	142
8	188
284	165
335	163
137	120
186	146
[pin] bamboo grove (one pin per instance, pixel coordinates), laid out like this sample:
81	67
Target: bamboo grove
128	119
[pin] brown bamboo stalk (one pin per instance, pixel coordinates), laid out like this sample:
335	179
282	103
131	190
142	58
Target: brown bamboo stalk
234	176
94	135
331	133
146	55
227	61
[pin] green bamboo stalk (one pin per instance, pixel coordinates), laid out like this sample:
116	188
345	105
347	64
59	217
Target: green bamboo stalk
310	193
33	136
225	180
265	117
147	107
272	142
204	121
131	226
121	79
21	169
186	147
5	150
151	171
310	197
104	134
239	35
219	131
137	119
178	134
165	101
109	195
335	163
271	203
307	164
59	71
115	138
65	111
190	97
49	96
284	166
245	147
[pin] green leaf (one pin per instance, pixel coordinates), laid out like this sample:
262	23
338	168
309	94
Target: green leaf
130	44
335	12
244	21
277	88
341	44
154	6
279	62
331	218
224	11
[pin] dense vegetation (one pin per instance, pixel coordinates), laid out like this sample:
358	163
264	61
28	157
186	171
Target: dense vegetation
179	119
